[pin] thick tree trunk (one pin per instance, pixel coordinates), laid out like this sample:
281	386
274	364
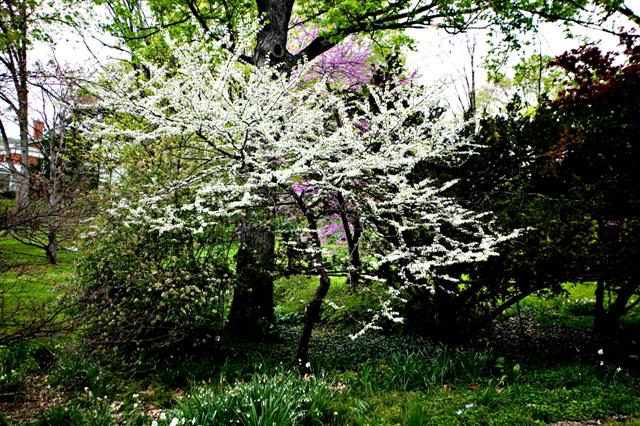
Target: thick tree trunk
251	316
607	322
271	43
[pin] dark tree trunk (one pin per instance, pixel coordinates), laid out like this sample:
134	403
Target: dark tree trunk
607	323
251	316
312	316
599	315
52	247
312	313
353	241
272	38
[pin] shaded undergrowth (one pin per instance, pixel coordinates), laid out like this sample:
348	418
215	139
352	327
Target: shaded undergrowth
539	364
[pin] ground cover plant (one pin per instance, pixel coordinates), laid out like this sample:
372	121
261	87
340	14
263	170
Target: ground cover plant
512	375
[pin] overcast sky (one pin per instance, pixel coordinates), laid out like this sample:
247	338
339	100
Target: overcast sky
444	59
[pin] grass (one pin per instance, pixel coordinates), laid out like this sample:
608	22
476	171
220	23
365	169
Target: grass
378	379
539	395
574	309
27	272
27	277
342	304
29	289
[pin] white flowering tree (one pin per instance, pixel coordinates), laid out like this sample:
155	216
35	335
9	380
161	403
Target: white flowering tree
255	139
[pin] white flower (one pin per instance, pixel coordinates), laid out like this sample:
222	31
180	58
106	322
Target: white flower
174	421
163	416
154	423
619	369
600	352
286	119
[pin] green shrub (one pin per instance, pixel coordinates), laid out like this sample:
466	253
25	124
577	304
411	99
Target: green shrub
581	307
265	400
60	415
16	362
4	420
145	292
432	368
95	413
76	370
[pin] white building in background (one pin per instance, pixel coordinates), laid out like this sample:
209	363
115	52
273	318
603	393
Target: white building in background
7	179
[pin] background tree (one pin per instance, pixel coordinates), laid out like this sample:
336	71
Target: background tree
16	36
64	174
23	24
594	161
565	171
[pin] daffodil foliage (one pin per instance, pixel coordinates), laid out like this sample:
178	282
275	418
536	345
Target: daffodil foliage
255	139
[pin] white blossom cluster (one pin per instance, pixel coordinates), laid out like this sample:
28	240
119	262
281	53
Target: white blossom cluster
257	138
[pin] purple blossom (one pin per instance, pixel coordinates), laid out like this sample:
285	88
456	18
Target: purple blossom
331	229
363	126
348	64
303	189
409	79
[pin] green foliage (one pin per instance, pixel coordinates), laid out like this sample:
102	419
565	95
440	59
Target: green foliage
77	371
147	292
16	363
344	304
137	23
592	161
428	369
60	415
540	396
180	371
4	420
283	399
89	411
565	174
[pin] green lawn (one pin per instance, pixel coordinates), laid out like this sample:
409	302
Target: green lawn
26	274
